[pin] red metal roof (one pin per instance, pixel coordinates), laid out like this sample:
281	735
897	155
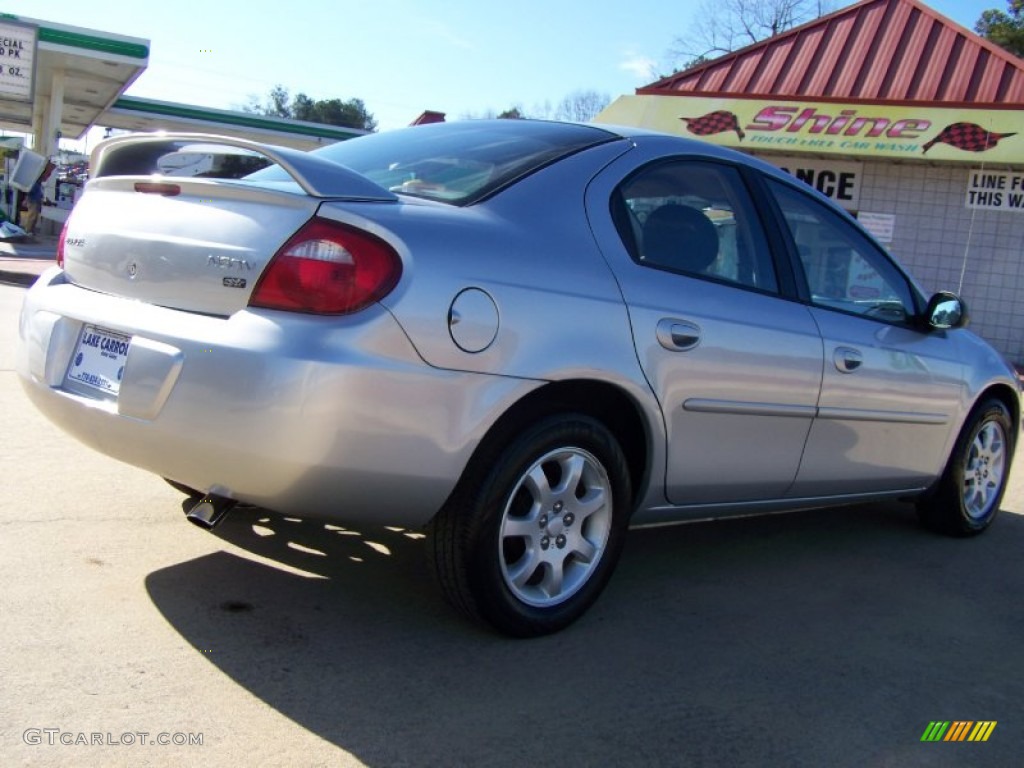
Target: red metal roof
427	117
876	50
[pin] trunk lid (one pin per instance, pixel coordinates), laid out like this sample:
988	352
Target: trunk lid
145	231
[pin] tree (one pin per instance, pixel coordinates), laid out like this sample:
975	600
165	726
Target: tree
277	102
581	106
1004	29
487	114
349	114
723	26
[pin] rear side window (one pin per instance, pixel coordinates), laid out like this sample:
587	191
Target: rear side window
695	218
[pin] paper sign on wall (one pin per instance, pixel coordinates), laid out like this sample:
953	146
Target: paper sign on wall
881	225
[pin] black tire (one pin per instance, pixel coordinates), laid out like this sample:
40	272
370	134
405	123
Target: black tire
967	497
535	528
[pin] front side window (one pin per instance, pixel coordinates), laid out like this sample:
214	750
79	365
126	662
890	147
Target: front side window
694	218
844	270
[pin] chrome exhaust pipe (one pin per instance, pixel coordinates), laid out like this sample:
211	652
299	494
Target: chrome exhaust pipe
209	511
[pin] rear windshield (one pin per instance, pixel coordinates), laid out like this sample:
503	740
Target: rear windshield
457	163
184	157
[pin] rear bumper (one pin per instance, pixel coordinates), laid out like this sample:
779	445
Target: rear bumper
335	418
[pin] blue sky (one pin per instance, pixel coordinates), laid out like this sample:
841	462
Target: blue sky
399	56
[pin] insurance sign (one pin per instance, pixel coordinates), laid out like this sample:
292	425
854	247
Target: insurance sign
838	179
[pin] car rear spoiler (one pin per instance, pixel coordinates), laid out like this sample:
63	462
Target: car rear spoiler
136	154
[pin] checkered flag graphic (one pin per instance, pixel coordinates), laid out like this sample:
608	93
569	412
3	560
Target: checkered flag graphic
713	122
968	137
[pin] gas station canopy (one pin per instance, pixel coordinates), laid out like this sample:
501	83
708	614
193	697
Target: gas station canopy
58	81
141	115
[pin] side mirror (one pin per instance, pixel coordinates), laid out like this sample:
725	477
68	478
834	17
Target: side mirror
945	311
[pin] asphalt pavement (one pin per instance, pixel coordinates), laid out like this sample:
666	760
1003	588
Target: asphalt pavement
825	638
22	260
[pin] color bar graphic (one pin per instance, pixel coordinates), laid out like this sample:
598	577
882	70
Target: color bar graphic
982	731
958	730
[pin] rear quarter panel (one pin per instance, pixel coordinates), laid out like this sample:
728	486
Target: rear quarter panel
531	249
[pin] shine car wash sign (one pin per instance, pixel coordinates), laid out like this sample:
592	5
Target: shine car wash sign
17	60
866	130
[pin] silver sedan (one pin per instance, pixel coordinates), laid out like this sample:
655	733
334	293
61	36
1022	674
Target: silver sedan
521	336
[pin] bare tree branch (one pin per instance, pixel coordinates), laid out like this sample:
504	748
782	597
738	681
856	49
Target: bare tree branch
727	25
581	106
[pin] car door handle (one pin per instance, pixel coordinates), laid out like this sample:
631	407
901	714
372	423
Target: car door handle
677	335
847	359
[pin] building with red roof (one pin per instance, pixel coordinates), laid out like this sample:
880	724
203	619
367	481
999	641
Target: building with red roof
910	121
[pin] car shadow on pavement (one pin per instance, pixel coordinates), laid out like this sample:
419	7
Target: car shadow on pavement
818	638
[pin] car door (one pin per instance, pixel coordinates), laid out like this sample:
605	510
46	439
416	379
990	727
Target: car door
736	367
891	388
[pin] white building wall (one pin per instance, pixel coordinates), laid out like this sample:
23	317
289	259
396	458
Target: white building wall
932	231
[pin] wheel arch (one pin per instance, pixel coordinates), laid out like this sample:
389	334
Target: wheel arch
607	403
1008	397
956	505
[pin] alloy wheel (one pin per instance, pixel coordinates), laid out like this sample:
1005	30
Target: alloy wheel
555	527
983	473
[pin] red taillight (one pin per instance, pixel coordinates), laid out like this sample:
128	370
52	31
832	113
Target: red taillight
60	245
328	268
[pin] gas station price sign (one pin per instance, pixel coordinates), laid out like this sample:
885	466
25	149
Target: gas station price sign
17	60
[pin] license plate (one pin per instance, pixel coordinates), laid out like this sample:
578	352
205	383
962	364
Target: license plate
99	359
